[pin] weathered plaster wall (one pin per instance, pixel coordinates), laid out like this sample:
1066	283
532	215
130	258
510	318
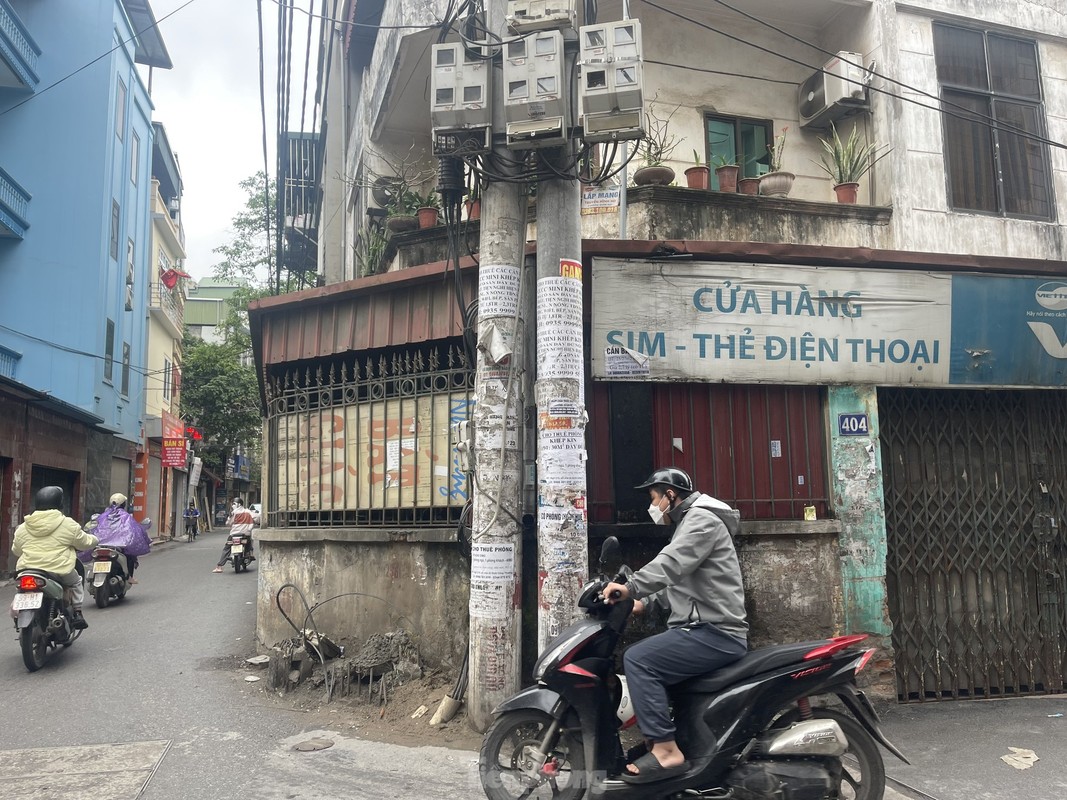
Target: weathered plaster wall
856	472
421	587
922	219
792	587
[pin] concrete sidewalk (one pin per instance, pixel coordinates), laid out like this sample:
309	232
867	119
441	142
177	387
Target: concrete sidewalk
955	748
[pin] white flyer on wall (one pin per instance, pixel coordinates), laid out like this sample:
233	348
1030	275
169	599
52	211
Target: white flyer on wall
499	293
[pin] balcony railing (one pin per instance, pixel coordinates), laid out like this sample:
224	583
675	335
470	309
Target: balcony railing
168	303
9	359
17	47
13	202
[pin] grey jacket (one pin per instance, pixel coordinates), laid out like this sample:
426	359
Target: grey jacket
697	575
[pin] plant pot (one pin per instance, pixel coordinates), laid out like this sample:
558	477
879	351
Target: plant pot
697	177
727	176
776	184
428	216
748	186
474	208
398	223
847	192
658	175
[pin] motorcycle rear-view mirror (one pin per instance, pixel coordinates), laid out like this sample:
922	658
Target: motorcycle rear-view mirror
610	553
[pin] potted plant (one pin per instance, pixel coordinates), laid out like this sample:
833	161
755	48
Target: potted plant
847	161
726	170
697	176
656	148
402	210
428	211
777	182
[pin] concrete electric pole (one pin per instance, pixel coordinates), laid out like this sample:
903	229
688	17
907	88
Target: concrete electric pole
562	539
506	104
496	546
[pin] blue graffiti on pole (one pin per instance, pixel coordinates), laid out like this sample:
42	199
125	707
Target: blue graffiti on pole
459	409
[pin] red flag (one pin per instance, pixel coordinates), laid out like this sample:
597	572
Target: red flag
170	277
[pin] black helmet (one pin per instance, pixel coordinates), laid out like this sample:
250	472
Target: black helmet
48	498
669	476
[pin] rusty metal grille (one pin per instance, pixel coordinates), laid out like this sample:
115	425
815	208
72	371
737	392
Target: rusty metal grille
367	442
975	493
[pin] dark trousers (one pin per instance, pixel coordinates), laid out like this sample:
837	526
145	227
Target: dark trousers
665	659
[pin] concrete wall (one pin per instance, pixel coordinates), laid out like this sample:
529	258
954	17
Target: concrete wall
419	586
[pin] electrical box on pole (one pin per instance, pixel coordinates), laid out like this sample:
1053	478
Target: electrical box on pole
537	15
536	92
611	89
461	101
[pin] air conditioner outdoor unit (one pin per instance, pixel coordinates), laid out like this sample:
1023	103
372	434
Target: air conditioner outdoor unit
840	89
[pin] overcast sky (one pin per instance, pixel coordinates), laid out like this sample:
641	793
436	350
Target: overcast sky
209	104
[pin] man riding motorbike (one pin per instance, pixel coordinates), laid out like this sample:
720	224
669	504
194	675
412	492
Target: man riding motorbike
48	540
698	578
240	522
192	519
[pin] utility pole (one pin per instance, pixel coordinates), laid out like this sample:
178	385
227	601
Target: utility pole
496	547
562	540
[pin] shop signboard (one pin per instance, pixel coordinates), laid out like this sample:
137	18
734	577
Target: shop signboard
751	323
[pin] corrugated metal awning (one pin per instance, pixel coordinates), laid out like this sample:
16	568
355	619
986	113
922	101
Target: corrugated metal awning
407	307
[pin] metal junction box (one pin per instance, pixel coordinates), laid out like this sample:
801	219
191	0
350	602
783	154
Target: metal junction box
535	91
460	101
611	89
538	15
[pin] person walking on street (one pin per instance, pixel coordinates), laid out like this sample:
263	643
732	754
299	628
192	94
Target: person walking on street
49	540
698	578
240	522
192	520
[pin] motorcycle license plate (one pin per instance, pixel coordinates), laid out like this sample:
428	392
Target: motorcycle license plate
237	548
101	566
27	601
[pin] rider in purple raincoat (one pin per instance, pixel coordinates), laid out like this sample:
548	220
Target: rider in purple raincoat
116	527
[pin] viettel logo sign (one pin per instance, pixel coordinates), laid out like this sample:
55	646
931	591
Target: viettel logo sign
1052	295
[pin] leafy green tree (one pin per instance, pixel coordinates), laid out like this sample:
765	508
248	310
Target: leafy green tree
221	397
247	259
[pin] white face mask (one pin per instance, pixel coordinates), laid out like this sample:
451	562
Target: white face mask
658	516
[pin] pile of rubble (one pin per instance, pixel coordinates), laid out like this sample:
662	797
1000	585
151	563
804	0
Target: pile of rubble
383	661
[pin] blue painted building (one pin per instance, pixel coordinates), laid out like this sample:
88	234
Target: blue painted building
75	233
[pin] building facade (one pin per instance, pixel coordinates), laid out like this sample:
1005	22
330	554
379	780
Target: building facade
74	248
878	387
162	469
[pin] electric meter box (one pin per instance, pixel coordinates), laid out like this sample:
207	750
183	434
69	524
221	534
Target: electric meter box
535	91
611	89
460	100
524	16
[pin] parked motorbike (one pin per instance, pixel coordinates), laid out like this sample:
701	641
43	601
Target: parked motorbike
749	730
240	551
43	616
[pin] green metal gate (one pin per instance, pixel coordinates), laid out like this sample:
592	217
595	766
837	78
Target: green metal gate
975	494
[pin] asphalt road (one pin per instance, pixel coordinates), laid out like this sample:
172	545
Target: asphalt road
151	702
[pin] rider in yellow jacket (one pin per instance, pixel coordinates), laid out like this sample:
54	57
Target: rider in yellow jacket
48	540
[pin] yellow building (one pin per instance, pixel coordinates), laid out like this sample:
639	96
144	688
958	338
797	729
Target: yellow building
161	481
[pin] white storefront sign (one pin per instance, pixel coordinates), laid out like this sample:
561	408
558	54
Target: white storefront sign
750	323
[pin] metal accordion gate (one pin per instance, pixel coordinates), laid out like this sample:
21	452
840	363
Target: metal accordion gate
975	492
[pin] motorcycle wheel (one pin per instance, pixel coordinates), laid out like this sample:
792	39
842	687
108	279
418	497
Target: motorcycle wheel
102	595
863	772
505	763
34	642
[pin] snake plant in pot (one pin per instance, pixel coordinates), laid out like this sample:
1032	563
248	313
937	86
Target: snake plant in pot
848	160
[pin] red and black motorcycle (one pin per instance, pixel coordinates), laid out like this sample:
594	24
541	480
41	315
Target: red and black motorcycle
750	731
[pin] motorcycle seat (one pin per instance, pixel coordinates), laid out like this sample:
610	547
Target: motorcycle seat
752	663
